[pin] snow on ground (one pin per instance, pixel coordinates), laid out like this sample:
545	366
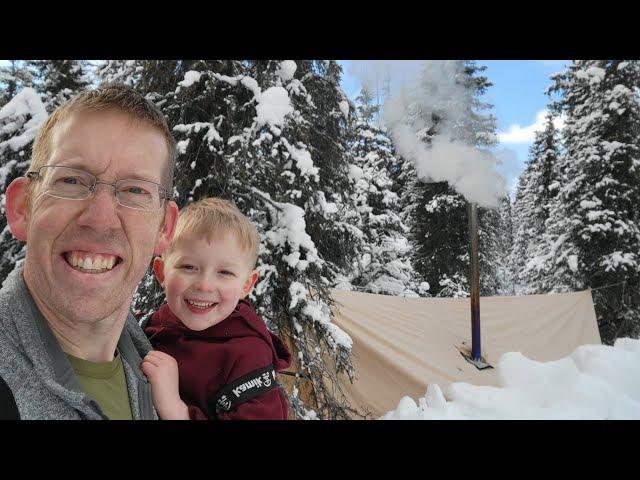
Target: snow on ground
594	382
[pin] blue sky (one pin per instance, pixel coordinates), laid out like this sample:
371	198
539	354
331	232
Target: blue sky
517	95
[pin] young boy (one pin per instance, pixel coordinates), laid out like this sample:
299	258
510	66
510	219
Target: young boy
214	357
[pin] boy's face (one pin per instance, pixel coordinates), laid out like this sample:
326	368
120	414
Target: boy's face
203	281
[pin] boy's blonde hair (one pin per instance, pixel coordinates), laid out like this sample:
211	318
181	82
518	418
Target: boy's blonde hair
212	216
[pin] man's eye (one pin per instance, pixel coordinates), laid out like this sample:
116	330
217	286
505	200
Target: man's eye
136	191
70	180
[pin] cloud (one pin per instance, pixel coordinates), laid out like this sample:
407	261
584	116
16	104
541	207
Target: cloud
518	134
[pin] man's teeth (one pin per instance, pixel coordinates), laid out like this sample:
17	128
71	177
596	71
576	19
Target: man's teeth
92	264
200	304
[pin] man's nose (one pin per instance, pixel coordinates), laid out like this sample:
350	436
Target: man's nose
100	209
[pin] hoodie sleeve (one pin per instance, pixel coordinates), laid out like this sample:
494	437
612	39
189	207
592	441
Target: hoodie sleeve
271	405
196	414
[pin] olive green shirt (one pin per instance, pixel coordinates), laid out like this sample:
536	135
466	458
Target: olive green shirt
105	383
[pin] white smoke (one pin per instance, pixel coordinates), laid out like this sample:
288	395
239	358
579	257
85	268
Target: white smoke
375	74
383	77
410	117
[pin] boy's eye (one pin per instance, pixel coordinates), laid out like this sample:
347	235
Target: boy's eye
187	267
226	272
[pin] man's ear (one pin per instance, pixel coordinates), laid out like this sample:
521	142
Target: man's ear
249	283
158	269
16	207
168	228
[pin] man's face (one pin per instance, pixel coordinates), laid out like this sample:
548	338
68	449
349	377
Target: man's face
62	235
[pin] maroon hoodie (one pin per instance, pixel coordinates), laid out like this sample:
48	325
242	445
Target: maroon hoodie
215	357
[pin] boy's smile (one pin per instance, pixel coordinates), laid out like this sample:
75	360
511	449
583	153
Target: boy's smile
199	307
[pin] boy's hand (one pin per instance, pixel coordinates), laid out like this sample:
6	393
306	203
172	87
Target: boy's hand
162	371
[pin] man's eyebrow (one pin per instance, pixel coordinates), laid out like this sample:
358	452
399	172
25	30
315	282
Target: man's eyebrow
80	165
135	176
71	163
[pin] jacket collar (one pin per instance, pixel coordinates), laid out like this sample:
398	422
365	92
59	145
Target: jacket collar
64	374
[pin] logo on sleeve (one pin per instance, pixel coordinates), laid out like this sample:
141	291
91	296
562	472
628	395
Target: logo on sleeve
261	381
224	404
245	388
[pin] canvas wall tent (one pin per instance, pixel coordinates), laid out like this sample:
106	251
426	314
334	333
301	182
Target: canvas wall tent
400	345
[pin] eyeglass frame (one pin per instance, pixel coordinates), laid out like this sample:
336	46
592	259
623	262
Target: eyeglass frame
164	192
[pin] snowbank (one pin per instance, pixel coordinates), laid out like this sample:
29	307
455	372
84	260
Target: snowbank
594	382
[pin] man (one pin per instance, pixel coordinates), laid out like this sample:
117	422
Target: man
93	210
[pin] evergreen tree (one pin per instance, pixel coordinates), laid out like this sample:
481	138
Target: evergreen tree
594	233
20	119
59	80
506	240
13	78
496	236
271	136
367	110
120	71
383	265
537	187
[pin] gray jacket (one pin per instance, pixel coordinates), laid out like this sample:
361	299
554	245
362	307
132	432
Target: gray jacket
38	372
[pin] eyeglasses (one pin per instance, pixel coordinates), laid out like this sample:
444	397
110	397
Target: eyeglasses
75	184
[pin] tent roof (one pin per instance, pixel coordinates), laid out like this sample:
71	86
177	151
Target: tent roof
400	345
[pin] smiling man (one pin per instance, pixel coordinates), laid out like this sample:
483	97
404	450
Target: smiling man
93	209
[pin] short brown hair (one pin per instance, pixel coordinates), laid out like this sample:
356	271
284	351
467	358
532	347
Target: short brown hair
211	216
109	96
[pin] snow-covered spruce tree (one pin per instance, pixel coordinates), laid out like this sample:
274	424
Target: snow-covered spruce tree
13	78
20	119
266	135
435	212
495	243
537	187
300	162
370	149
59	80
204	114
383	266
504	239
593	235
119	71
330	213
